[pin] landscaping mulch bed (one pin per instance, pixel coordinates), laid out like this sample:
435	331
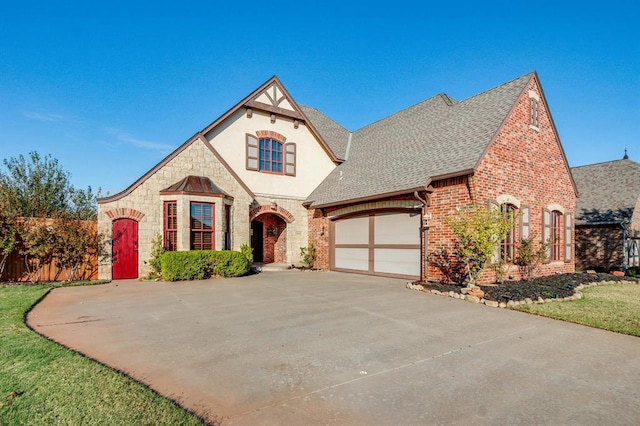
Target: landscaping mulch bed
551	287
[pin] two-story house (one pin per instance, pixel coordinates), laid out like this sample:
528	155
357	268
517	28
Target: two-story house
279	176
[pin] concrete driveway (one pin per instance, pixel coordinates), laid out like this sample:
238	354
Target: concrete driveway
299	348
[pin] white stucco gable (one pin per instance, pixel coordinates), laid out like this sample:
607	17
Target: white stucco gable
271	113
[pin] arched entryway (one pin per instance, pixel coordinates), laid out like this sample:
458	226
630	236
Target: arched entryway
269	233
269	239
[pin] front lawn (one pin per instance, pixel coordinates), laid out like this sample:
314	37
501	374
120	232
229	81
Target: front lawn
42	383
614	307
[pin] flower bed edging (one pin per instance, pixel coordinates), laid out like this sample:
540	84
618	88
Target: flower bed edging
513	303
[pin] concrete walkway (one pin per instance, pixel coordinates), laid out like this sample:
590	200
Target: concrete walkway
302	348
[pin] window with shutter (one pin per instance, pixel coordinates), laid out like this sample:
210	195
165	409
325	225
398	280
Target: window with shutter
568	237
525	223
546	231
495	257
290	159
252	152
508	244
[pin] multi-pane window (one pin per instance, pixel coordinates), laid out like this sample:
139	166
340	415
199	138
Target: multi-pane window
533	112
170	225
508	244
556	235
202	225
270	155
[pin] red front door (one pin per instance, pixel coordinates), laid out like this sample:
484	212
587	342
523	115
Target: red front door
125	249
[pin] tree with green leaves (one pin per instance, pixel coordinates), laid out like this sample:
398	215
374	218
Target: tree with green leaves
38	186
478	232
9	237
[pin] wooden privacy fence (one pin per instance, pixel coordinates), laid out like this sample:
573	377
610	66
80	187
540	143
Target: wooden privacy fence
16	267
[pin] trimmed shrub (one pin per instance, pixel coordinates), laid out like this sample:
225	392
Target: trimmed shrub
201	264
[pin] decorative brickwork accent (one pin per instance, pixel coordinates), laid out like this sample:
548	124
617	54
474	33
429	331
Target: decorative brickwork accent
125	213
271	135
283	213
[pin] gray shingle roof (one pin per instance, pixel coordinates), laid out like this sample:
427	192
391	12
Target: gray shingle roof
433	138
333	133
608	192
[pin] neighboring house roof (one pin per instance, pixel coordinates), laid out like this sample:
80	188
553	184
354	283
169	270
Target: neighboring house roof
608	191
336	136
430	140
200	185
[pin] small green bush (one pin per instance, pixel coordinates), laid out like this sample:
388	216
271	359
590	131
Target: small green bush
156	251
308	255
634	271
248	252
201	264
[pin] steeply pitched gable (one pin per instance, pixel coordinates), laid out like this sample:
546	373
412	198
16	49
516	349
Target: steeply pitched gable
608	191
405	151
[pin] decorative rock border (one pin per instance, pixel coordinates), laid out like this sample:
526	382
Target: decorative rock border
513	303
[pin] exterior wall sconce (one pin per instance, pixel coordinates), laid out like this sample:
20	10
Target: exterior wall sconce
425	221
270	232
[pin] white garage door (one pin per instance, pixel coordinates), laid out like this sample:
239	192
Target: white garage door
383	244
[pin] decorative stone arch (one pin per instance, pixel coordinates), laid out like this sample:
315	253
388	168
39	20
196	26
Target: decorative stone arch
508	199
555	207
125	213
277	210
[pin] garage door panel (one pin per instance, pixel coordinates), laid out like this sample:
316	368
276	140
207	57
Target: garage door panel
397	261
397	229
352	231
352	258
383	244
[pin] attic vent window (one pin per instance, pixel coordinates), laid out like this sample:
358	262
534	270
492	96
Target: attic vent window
534	103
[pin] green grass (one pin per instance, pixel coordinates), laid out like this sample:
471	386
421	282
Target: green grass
42	383
613	307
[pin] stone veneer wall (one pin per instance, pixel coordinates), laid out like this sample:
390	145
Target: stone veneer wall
195	159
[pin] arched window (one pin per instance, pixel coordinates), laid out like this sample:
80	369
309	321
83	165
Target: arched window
508	244
556	236
270	155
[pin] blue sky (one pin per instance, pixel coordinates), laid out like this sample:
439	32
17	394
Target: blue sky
111	88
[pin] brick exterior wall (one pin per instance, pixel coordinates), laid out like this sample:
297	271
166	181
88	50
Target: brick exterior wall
524	164
599	247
